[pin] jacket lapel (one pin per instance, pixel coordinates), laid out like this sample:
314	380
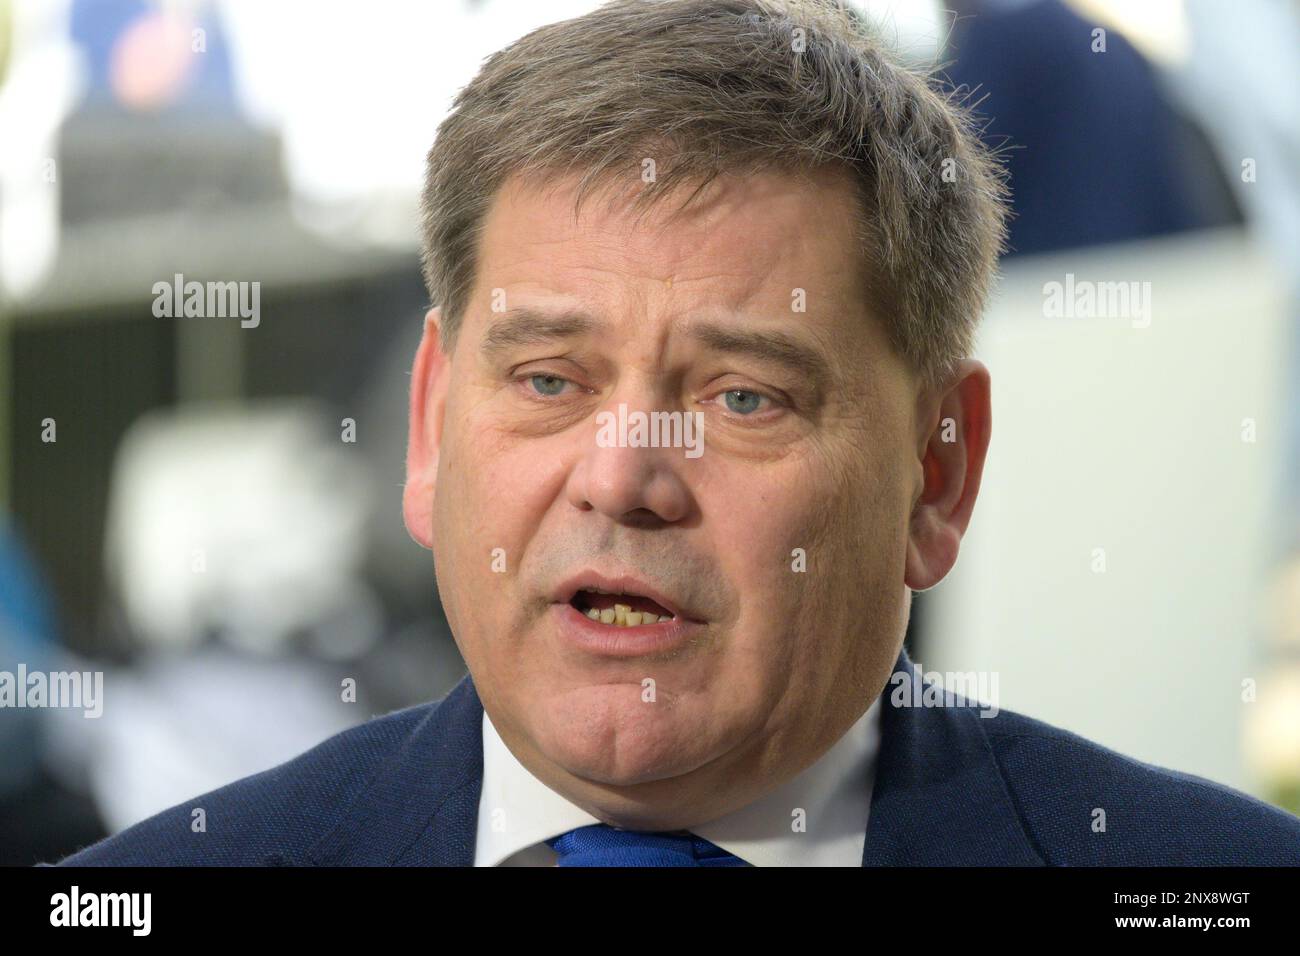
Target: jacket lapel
421	809
939	798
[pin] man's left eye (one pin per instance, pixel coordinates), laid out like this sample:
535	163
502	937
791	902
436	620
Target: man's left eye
743	402
548	385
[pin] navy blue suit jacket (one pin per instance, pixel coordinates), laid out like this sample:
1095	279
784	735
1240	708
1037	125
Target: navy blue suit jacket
952	788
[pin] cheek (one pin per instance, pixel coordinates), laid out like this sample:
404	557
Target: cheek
492	496
491	484
474	533
777	533
824	541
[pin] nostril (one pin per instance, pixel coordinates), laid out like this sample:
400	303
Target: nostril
643	519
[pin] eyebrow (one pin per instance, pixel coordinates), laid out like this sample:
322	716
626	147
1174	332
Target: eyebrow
529	327
772	346
525	326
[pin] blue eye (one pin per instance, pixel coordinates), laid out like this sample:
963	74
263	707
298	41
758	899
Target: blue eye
742	402
548	384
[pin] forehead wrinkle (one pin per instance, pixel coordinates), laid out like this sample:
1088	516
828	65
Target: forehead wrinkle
718	271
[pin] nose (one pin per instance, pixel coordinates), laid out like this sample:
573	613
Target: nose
641	486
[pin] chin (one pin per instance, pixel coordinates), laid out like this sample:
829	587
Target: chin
608	735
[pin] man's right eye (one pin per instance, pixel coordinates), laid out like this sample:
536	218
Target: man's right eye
548	385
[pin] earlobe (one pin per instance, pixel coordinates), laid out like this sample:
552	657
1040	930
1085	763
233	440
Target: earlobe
952	465
424	437
932	549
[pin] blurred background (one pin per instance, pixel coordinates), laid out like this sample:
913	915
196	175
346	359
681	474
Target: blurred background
207	511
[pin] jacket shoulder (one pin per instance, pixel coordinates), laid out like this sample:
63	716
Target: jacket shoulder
1087	805
268	818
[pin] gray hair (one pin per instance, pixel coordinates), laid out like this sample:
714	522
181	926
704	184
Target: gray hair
733	86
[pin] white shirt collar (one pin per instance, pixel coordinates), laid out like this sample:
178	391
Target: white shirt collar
517	813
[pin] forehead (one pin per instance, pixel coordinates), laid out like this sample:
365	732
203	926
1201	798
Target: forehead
741	240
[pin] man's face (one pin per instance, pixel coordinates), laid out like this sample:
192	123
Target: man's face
780	547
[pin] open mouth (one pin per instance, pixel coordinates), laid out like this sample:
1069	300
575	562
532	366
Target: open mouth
620	610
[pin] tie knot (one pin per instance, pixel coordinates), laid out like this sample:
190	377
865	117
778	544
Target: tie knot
603	845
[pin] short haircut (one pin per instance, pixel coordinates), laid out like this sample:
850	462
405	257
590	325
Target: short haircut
709	87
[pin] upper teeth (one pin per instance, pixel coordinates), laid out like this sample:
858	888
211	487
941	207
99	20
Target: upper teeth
622	615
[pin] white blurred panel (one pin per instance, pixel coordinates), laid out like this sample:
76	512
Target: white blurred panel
1129	439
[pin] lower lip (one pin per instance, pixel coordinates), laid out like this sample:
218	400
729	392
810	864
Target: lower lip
611	640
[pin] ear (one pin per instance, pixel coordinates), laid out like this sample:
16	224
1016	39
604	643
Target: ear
428	403
955	427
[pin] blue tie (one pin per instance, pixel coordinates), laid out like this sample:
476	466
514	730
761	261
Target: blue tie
602	845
